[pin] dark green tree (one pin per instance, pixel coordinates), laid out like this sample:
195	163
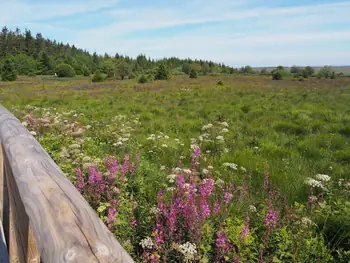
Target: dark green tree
123	70
193	74
8	71
295	70
277	75
308	71
65	70
162	73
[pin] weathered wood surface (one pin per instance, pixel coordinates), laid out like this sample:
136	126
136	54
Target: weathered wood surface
65	227
3	204
21	242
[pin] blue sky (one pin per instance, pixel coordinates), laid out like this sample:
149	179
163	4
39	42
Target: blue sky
236	32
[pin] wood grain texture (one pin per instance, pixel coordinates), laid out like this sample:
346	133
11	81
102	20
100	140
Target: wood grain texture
65	227
22	243
3	247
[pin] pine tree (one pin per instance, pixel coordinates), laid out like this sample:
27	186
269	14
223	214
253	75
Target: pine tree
162	73
9	72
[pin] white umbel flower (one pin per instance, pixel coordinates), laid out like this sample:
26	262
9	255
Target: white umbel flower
252	209
146	243
189	251
225	124
206	127
231	165
313	183
323	177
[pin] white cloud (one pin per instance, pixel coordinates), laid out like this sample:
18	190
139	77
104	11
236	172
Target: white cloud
15	12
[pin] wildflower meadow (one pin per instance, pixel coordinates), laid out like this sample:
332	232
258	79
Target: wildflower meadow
186	170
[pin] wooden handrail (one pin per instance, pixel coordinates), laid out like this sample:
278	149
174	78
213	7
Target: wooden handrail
64	226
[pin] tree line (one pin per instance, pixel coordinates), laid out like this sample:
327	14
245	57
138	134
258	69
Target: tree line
21	53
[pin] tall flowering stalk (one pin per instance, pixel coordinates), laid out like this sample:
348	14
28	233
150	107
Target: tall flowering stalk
80	182
266	181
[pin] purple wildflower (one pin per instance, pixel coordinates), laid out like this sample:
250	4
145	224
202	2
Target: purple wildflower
80	183
207	187
133	223
227	197
271	218
107	161
245	230
216	208
205	208
125	166
180	181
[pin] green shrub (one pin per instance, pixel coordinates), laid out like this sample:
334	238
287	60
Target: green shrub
142	79
220	83
85	71
98	77
162	73
301	78
9	72
65	70
277	75
193	74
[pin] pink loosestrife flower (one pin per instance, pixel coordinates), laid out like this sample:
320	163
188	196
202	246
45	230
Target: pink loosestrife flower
125	166
216	209
205	208
80	183
107	161
196	153
180	182
245	230
227	197
271	219
112	214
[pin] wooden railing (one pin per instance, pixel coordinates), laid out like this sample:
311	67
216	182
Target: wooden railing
44	218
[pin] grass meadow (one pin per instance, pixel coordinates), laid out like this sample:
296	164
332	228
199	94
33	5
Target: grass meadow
245	132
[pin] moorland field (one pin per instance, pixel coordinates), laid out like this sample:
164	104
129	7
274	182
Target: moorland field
192	170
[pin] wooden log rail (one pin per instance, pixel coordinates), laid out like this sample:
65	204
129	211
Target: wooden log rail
44	218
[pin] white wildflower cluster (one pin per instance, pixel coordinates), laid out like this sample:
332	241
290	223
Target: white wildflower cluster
323	177
305	221
171	178
210	167
252	209
207	127
224	130
243	169
154	210
152	137
340	182
231	165
220	183
187	171
205	171
225	124
313	183
220	138
122	128
189	251
171	189
146	243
